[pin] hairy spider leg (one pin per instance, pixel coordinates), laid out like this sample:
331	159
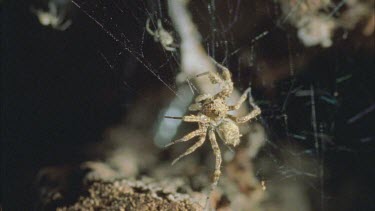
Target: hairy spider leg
192	148
191	118
213	76
195	107
216	149
202	97
189	136
254	113
226	81
226	73
240	101
218	159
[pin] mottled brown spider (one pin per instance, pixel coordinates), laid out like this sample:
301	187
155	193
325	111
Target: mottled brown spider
213	116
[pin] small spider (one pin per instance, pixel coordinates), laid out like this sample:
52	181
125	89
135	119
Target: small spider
52	17
213	116
161	35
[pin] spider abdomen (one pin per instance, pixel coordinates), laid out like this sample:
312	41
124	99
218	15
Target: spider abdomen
229	132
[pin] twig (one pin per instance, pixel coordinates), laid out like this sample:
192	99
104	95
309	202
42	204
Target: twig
194	59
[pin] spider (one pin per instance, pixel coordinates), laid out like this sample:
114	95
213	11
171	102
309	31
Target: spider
161	35
52	17
213	117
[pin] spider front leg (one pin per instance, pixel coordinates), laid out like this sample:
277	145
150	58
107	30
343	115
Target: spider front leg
240	101
226	73
195	107
227	84
191	118
254	113
192	148
224	80
213	76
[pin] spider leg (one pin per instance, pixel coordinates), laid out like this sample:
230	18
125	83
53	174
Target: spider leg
160	25
226	73
218	159
202	97
52	8
64	25
240	101
148	27
195	107
192	148
232	117
227	84
187	137
254	113
191	118
169	48
213	76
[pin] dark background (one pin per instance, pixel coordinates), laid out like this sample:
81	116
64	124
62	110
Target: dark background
59	94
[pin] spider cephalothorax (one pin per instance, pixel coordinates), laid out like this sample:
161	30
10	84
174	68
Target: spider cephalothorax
213	117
